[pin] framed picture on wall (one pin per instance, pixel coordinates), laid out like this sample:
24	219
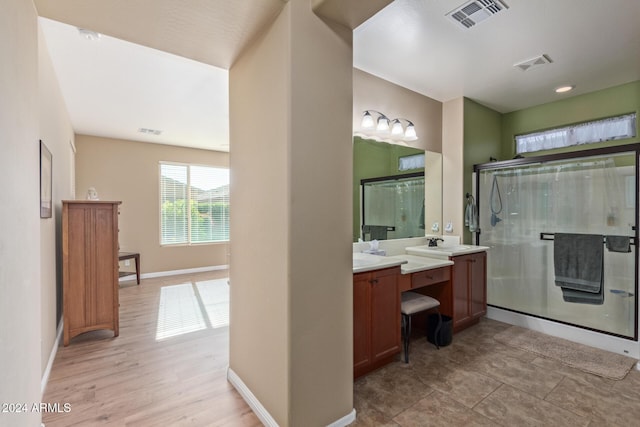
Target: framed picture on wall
46	164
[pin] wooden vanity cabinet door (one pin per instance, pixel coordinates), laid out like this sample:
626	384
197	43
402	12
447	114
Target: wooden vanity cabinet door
461	292
361	322
478	285
385	314
469	289
376	319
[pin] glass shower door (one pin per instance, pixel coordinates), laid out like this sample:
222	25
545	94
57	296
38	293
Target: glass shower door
520	210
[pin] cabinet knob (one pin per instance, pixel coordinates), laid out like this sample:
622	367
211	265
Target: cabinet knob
373	281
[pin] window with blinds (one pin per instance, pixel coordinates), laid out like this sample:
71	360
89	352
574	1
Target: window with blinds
194	204
609	129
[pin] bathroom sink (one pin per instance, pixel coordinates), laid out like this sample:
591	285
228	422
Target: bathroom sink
363	260
445	251
455	248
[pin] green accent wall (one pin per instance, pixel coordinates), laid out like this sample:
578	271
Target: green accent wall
604	103
482	136
373	159
488	133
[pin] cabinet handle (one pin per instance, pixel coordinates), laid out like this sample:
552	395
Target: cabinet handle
430	277
373	281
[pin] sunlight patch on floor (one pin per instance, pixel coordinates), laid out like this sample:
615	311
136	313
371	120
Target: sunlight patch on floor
190	307
215	298
179	311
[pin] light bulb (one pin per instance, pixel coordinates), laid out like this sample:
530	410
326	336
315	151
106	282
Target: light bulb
410	133
396	128
383	124
367	121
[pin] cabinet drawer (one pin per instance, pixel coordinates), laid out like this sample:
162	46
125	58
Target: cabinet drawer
430	277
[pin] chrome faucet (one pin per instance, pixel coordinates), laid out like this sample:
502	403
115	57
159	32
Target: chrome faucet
433	241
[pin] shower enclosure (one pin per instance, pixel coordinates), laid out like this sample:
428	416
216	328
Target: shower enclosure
524	203
393	207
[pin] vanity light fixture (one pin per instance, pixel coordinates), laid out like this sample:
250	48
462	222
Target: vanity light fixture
408	133
563	89
383	125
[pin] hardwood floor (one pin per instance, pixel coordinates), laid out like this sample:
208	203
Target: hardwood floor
139	380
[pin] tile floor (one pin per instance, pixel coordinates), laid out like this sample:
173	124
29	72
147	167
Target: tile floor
477	381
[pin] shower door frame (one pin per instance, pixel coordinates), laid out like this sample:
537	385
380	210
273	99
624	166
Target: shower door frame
365	181
573	155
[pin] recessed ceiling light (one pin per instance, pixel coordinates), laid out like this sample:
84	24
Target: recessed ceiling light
563	89
88	34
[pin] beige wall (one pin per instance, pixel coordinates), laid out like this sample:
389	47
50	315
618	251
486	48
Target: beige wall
20	326
291	286
373	93
57	134
452	161
321	171
259	263
129	171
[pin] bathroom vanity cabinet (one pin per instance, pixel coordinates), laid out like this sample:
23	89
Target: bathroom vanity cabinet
469	277
376	319
89	266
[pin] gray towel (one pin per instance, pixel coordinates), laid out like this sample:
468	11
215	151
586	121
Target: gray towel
577	260
618	243
569	295
378	232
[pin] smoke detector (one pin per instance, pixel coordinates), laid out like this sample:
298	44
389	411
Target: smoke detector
476	11
533	63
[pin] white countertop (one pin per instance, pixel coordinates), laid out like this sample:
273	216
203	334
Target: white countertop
420	263
445	251
367	262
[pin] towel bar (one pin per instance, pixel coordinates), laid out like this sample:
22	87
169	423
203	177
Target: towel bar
549	236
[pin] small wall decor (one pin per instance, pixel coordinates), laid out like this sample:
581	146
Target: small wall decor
46	168
92	194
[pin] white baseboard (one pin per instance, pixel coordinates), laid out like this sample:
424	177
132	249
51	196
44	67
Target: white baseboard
52	357
253	402
606	342
344	421
260	411
174	272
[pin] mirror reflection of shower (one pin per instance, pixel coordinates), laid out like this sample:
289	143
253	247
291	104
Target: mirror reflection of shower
393	207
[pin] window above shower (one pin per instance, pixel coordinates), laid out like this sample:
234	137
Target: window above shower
609	129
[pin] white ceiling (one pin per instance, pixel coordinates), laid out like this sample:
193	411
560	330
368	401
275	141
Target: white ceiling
594	44
112	88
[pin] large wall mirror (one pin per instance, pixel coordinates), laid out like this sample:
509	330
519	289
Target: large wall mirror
397	191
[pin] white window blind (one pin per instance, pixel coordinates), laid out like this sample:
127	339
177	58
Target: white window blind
613	128
415	161
194	204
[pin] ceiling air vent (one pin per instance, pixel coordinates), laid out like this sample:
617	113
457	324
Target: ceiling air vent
150	131
533	63
476	11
